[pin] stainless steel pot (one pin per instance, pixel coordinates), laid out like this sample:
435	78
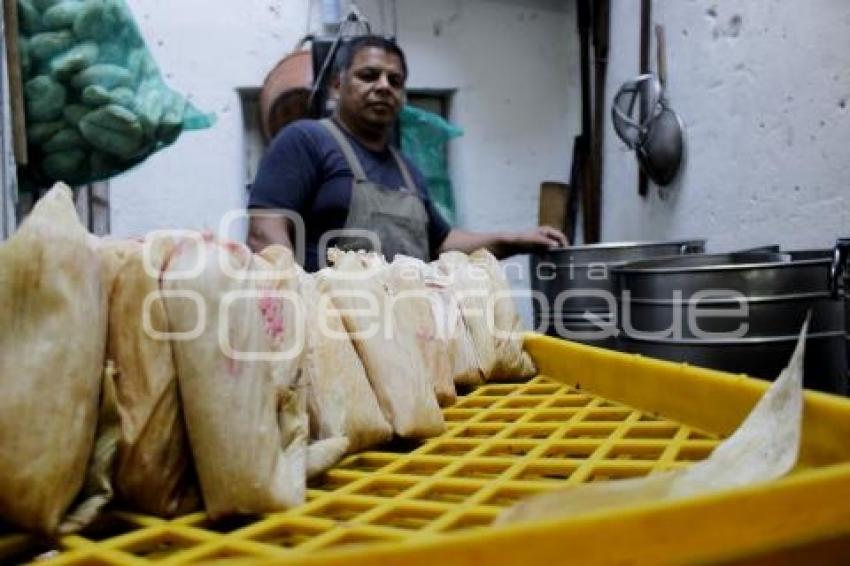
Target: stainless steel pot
621	252
839	282
823	368
576	281
584	271
736	312
598	329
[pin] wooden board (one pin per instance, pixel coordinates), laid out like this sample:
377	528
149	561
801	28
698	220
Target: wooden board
554	197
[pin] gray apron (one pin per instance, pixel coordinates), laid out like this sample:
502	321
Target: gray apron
396	216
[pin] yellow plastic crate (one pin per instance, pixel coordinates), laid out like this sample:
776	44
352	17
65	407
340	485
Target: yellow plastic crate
591	415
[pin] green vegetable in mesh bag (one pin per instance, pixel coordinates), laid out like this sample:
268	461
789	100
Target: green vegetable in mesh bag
61	15
63	140
150	108
73	113
125	97
65	164
172	118
40	132
74	60
102	74
102	165
44	5
95	95
143	67
113	129
113	52
424	136
46	44
24	54
98	19
45	98
96	103
29	19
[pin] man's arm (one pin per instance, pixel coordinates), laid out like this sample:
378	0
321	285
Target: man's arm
286	179
266	230
504	244
442	237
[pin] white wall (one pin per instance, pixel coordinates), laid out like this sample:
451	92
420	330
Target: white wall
764	90
513	63
515	67
206	50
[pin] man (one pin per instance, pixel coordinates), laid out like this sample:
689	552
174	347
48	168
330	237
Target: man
342	174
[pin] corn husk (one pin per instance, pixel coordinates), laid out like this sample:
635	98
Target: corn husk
154	469
764	447
243	394
512	362
385	342
52	342
98	490
340	401
465	367
490	314
407	284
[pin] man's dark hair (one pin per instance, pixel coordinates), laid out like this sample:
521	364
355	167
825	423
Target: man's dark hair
350	48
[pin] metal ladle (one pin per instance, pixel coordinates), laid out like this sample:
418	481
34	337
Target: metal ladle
658	140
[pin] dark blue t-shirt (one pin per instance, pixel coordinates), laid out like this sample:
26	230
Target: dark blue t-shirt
304	171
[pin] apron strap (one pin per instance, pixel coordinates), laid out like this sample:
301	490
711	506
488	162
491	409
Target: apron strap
347	150
405	171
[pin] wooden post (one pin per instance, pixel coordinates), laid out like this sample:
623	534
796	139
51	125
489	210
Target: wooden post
16	84
601	25
8	177
645	21
584	176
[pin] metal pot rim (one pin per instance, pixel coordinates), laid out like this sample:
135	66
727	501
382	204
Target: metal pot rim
745	341
626	245
634	267
730	301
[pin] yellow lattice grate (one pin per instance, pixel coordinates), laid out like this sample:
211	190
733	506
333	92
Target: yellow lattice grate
503	442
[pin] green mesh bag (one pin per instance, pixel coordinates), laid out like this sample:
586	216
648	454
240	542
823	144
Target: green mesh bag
96	104
424	136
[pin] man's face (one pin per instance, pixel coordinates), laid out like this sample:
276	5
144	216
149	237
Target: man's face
371	92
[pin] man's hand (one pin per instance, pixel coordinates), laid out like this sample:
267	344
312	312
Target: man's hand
538	239
265	231
505	244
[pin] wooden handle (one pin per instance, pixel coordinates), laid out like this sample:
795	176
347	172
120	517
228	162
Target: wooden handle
661	46
554	204
16	82
645	31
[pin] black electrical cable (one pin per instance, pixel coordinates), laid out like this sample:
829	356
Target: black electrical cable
353	17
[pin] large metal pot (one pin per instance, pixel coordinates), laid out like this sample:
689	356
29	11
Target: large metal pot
735	312
574	283
597	328
839	279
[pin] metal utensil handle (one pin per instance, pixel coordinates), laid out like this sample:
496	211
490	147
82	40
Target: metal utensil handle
691	248
353	18
836	270
661	46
